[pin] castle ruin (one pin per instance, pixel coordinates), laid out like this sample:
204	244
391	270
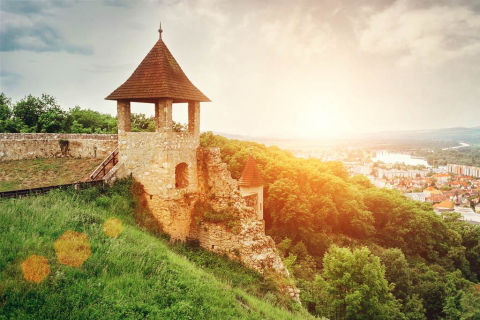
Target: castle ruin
176	173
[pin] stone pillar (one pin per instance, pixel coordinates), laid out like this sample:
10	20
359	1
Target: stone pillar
123	116
194	118
158	123
163	115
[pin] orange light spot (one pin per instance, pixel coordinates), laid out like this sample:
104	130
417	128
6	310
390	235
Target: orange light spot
35	268
112	227
72	248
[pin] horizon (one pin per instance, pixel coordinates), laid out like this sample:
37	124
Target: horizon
333	66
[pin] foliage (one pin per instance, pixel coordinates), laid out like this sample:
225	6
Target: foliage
89	121
43	114
34	114
469	156
203	211
352	285
310	204
134	276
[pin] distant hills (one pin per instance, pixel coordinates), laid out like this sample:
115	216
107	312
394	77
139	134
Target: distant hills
444	136
459	134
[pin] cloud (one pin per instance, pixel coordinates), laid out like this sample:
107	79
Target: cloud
25	27
431	36
118	3
8	79
34	7
37	37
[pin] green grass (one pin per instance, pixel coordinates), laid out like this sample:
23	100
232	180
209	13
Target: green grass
135	276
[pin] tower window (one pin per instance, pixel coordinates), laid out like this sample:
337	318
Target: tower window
181	175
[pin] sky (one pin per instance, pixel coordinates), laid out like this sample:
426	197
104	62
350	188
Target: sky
283	68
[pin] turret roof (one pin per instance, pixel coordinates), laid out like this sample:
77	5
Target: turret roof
158	76
251	176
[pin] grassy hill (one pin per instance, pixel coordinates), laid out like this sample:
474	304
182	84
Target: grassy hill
135	276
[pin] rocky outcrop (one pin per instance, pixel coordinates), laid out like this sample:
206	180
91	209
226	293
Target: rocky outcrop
248	243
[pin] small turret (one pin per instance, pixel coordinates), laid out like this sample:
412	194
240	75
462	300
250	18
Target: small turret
251	186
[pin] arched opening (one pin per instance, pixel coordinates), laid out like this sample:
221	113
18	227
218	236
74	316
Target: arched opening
181	175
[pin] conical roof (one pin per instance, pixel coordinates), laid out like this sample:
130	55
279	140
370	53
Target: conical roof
158	76
251	176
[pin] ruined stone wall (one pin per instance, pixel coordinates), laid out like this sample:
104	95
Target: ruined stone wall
151	159
18	146
249	244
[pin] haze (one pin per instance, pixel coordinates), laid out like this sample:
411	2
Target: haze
316	69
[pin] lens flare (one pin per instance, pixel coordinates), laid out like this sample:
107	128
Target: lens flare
35	268
72	248
112	227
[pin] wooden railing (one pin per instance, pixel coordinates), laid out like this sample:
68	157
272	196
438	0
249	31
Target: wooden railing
105	166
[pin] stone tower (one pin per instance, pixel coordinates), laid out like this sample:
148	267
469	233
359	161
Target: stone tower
164	161
179	177
251	186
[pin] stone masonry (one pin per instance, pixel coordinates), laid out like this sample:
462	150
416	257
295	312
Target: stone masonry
175	174
18	146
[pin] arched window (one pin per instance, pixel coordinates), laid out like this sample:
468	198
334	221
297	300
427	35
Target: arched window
181	175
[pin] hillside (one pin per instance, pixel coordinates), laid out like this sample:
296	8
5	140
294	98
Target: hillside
136	275
356	251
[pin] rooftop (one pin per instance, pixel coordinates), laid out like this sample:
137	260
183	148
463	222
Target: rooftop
158	76
251	176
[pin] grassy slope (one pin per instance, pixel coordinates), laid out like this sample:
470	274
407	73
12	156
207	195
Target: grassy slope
32	173
136	275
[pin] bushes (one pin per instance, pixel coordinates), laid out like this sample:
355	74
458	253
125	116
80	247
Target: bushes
203	211
310	204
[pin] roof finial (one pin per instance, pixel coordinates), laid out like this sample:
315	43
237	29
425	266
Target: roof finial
160	30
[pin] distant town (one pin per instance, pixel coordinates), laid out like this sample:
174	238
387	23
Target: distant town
450	188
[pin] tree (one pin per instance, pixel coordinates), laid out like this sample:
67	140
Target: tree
89	121
5	107
40	114
397	272
7	122
353	286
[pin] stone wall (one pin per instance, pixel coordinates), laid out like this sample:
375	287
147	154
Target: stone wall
151	159
249	244
254	198
17	146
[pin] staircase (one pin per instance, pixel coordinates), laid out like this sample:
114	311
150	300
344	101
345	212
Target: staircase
101	171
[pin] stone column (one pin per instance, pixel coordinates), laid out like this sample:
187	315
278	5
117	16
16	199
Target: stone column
163	115
123	116
194	118
158	122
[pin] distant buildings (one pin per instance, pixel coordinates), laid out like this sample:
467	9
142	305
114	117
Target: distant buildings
444	206
464	170
417	196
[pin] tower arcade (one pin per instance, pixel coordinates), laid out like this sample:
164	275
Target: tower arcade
164	161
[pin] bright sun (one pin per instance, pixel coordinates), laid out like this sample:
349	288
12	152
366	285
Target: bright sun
321	119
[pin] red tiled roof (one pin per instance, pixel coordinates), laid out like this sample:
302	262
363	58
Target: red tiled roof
445	204
158	76
251	176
